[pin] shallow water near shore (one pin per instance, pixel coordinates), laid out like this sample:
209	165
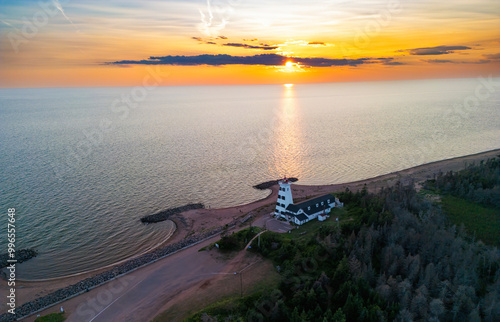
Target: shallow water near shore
81	170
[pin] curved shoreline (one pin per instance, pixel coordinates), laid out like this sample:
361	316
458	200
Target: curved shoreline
416	173
272	196
121	261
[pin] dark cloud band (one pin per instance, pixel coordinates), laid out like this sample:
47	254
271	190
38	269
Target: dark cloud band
437	50
263	59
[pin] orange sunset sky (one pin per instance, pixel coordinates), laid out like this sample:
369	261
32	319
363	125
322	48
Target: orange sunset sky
51	43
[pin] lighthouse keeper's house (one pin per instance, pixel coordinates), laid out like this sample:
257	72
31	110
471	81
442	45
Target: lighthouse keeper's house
305	211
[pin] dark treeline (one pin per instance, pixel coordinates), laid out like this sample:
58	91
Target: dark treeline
478	183
238	240
393	258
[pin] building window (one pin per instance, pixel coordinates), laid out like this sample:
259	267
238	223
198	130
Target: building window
322	203
309	208
317	205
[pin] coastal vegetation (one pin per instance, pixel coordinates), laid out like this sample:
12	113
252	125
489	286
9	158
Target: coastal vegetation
395	255
235	241
481	222
53	317
478	183
238	240
471	197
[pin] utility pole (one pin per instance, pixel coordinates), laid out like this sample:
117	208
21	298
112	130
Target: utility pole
241	284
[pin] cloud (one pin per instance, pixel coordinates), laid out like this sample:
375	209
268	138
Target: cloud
437	50
481	61
254	39
262	46
444	61
393	63
316	43
305	43
263	59
493	56
60	8
222	37
197	38
439	61
211	43
6	23
389	61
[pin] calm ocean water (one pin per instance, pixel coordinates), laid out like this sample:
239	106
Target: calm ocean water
81	171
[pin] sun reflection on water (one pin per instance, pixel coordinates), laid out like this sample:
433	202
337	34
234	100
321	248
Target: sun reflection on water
288	148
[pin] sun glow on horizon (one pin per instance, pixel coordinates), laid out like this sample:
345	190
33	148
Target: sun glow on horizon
288	85
310	43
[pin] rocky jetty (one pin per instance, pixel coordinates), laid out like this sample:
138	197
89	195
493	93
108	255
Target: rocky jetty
21	256
269	184
165	214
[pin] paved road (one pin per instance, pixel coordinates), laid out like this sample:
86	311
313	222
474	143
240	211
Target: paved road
140	295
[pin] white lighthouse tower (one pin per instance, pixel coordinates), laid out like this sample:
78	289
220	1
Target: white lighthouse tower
284	198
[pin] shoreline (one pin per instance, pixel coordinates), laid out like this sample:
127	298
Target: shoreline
164	242
199	221
417	173
299	191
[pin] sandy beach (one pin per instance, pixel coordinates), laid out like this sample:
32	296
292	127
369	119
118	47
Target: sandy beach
187	262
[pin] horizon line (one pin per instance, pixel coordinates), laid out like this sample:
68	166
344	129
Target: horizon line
255	84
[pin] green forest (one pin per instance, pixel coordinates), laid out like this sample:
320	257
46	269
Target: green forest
396	255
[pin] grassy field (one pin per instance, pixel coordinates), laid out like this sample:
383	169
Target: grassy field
312	227
482	221
224	293
53	317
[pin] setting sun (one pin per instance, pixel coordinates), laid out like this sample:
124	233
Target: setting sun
289	64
